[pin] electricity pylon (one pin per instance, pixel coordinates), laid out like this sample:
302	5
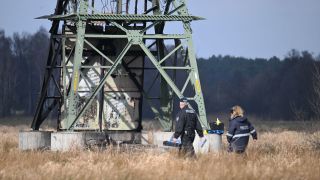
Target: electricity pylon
98	62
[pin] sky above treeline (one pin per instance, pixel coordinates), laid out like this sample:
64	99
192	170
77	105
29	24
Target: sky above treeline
248	28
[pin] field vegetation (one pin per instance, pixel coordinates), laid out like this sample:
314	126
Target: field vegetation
285	150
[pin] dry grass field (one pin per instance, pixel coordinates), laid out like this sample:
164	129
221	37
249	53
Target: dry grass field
285	150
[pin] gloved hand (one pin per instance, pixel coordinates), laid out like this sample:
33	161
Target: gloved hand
174	140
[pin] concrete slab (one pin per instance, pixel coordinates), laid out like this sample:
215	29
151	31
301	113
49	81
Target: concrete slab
146	137
159	137
65	141
34	140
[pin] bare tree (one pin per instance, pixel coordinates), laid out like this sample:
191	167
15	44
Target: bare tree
315	101
6	66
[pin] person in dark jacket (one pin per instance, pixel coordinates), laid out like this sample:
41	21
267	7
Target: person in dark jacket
186	124
239	131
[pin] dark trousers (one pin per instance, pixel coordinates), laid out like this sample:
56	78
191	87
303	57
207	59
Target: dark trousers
186	149
233	148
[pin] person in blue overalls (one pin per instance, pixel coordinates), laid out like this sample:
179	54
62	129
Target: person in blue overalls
239	131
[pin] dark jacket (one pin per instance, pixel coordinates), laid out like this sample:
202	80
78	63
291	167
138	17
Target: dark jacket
186	124
239	131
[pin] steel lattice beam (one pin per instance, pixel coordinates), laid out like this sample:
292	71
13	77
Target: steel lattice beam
78	45
122	17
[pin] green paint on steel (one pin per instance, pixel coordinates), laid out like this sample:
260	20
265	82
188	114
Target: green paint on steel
73	98
124	17
136	37
103	81
194	74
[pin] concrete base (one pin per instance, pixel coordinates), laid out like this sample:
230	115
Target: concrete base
159	137
34	140
65	141
146	137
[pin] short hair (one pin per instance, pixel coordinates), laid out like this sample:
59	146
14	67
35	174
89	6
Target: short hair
237	111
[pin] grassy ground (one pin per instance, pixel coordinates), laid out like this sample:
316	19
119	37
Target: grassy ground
285	150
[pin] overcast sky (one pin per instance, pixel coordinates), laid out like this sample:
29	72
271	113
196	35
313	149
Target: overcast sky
249	28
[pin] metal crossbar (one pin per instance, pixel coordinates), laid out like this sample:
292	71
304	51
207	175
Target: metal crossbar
124	17
103	81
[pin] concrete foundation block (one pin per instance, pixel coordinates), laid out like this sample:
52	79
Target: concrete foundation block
34	140
146	137
94	139
159	137
65	141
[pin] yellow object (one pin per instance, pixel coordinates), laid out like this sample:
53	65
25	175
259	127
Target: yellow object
205	132
218	121
198	86
75	82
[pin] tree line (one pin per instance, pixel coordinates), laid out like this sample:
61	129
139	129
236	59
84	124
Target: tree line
22	62
274	88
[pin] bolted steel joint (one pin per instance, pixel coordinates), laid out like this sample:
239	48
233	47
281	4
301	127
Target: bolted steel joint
135	36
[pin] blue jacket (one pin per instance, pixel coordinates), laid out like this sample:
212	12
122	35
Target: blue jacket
239	131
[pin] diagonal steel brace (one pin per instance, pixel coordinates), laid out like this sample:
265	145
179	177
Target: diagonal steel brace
102	82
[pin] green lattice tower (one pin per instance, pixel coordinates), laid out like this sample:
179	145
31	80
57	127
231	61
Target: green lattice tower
85	41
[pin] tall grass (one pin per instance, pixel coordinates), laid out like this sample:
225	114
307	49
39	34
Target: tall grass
278	154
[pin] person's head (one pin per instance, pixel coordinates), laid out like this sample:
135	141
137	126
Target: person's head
183	102
236	111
